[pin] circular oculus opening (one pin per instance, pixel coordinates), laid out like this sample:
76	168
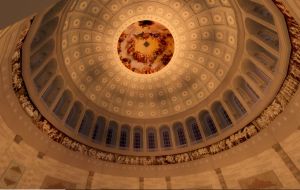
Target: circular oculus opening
146	47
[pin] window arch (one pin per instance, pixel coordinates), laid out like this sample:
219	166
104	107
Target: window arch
165	137
41	55
124	136
207	123
99	129
246	91
151	139
256	75
111	135
53	91
193	129
86	123
138	138
234	104
63	104
74	114
238	105
179	134
262	56
54	11
257	10
262	33
43	33
221	115
45	74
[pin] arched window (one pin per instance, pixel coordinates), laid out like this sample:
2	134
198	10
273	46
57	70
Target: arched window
138	138
221	115
261	55
44	32
41	55
45	74
207	123
256	74
74	115
225	116
99	129
165	137
53	91
238	105
193	129
151	138
111	133
234	104
257	10
63	104
86	123
251	92
124	136
246	91
179	134
262	33
54	11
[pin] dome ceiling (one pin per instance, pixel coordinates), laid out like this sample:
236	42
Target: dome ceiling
220	77
205	34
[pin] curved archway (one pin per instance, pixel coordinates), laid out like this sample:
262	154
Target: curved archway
165	137
193	129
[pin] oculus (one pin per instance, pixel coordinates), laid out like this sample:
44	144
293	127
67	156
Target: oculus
146	47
